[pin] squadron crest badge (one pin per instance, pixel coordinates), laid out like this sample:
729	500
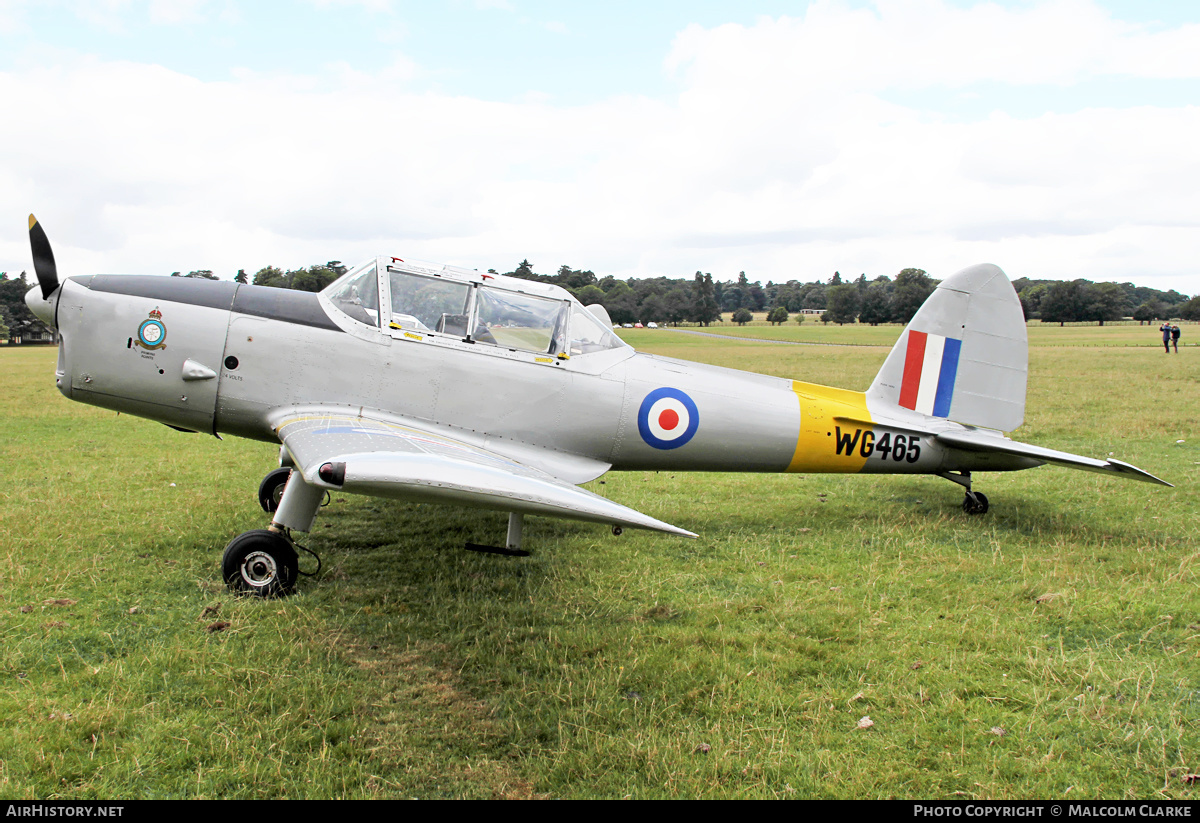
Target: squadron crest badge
152	334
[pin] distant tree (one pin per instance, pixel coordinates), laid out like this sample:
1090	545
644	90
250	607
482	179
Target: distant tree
710	310
842	304
742	317
269	276
777	315
677	304
788	296
12	300
1149	311
652	309
313	278
590	295
1104	301
799	319
202	274
909	291
1064	302
524	271
336	267
814	296
876	304
704	303
620	302
1031	296
1189	310
735	295
572	279
241	277
836	280
302	280
758	299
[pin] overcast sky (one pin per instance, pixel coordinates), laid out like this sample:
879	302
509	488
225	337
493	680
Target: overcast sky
1056	139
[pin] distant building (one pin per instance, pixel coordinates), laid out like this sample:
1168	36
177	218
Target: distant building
23	332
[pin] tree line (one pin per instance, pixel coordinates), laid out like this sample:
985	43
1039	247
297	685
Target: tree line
882	300
703	300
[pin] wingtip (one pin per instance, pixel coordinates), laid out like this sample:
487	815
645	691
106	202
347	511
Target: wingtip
1121	467
32	222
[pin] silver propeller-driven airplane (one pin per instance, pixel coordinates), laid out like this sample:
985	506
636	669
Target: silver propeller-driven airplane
435	383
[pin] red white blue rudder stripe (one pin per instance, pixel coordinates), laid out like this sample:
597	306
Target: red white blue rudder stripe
668	418
930	369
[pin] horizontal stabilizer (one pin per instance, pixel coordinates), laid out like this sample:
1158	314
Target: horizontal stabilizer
978	442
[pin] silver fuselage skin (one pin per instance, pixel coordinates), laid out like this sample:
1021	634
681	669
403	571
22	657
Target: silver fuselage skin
223	358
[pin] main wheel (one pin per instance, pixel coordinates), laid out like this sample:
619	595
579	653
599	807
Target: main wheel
260	562
270	490
975	503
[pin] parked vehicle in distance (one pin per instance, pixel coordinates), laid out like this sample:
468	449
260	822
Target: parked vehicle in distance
652	325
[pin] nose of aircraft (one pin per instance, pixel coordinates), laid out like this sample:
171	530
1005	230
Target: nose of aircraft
41	306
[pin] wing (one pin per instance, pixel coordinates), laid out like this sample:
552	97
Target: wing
976	441
392	459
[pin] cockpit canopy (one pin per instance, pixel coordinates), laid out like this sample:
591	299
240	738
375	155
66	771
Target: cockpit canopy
502	311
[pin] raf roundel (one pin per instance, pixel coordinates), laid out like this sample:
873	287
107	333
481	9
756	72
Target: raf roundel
668	419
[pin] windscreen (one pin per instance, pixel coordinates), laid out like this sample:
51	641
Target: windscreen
357	294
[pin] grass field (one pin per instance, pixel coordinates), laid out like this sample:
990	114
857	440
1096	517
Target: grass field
1050	334
1049	649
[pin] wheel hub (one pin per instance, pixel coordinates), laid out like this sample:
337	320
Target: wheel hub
259	569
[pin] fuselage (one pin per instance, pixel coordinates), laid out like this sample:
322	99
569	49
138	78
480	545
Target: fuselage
221	358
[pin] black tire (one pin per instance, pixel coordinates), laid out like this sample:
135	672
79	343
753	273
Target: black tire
271	489
978	505
261	563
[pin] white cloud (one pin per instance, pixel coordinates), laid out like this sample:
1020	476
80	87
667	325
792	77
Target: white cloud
176	12
780	157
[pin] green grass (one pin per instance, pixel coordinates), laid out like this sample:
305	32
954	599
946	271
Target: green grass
854	334
1050	648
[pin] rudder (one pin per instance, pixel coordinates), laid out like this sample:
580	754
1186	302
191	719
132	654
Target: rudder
964	356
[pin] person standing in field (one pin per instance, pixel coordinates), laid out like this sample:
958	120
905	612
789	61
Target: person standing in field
1175	338
1165	328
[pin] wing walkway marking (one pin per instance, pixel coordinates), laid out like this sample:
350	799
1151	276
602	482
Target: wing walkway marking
769	340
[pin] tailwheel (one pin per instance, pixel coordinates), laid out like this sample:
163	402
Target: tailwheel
261	563
270	490
975	503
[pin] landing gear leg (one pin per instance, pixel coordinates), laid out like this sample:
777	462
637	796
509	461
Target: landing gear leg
512	543
974	502
516	524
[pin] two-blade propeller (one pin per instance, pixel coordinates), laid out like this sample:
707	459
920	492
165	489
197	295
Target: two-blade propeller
43	258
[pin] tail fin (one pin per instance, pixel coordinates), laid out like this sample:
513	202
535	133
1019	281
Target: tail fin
964	356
